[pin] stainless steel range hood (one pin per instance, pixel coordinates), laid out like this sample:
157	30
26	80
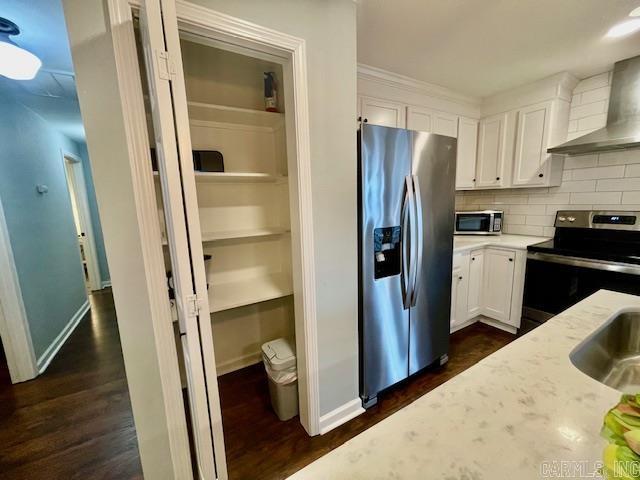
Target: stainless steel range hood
623	120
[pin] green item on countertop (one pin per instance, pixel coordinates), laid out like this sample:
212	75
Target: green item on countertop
621	428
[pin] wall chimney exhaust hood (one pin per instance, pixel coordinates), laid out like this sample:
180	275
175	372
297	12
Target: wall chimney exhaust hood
623	119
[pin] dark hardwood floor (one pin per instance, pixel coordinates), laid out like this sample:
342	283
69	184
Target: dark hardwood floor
256	441
75	420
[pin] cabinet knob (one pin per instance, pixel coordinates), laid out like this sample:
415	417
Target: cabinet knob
473	258
359	119
474	179
541	175
497	178
460	278
366	120
511	259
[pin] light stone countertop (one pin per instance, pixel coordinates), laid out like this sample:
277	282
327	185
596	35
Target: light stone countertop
462	243
501	419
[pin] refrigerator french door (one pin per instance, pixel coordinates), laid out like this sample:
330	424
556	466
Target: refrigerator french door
163	60
406	197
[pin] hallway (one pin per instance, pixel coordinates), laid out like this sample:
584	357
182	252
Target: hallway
75	420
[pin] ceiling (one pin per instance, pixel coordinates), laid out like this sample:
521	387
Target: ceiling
481	47
52	94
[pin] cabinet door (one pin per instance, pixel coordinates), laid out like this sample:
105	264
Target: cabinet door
382	112
474	298
459	295
432	121
467	150
491	151
531	160
420	119
445	124
498	283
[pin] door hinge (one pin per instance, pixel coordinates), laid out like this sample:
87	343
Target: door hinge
193	305
166	66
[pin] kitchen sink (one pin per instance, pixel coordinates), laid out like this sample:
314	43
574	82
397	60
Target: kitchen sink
611	355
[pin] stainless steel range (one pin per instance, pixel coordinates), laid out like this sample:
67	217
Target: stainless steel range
591	250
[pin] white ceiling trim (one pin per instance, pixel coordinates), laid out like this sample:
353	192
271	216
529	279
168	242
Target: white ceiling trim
385	77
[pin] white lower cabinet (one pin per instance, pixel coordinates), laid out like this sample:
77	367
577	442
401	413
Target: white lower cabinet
489	282
497	285
459	289
474	303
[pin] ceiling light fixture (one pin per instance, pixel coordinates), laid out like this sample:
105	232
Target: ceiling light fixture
625	28
635	12
15	62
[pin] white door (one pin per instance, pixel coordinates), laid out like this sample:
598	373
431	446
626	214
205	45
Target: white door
159	28
474	298
491	151
531	160
382	112
498	283
467	153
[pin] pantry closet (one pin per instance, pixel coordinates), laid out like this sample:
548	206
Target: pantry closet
225	201
243	210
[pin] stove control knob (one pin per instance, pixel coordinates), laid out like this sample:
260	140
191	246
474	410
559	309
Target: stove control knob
562	219
571	219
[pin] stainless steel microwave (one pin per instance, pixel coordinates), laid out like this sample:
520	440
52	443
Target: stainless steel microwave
485	222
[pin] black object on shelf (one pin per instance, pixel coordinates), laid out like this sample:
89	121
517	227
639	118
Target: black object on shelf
208	161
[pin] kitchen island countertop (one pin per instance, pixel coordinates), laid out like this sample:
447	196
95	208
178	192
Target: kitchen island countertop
519	413
462	243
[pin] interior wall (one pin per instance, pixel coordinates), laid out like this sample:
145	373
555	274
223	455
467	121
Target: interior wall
605	181
329	30
101	253
41	227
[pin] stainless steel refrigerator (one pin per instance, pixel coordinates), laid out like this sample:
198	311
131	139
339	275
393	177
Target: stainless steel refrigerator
406	195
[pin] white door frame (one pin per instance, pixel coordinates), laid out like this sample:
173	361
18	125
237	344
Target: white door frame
14	327
234	31
84	214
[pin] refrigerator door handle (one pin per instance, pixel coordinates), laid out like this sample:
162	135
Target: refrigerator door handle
407	241
418	227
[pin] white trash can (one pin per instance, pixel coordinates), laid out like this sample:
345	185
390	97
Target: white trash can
280	363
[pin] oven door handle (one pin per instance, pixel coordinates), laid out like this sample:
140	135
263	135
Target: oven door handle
618	267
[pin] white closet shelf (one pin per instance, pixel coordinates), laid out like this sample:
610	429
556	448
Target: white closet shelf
235	177
238	234
248	233
225	296
209	112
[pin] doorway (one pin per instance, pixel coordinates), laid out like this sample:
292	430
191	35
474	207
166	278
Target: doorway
82	220
262	183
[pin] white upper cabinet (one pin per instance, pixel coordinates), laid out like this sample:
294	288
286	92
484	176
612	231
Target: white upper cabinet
530	163
467	151
382	112
498	283
420	119
492	143
432	121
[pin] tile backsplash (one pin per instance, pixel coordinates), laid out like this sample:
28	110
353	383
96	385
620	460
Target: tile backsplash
598	181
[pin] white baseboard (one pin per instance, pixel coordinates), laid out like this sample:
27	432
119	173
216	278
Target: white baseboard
340	415
105	284
464	325
50	353
498	324
237	363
